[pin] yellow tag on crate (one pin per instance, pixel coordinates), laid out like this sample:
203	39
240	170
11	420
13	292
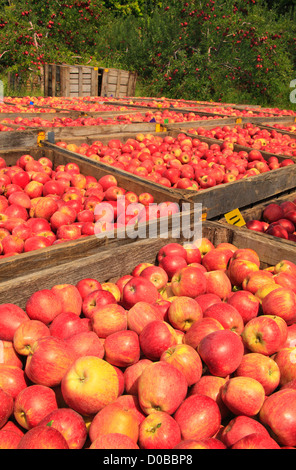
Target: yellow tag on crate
40	138
204	216
235	218
238	121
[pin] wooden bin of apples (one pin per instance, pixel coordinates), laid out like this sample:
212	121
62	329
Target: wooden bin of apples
157	345
55	207
207	171
275	217
18	131
251	135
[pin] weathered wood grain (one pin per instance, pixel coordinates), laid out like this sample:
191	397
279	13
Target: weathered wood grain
112	263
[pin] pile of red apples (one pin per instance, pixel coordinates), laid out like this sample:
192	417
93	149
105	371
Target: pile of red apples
161	117
41	206
182	161
250	135
278	219
194	351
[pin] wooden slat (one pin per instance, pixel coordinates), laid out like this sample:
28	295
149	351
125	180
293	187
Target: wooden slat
118	261
94	82
56	255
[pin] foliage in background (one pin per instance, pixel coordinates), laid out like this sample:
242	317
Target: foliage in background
232	51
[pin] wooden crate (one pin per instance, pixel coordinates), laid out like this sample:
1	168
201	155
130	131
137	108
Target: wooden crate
222	198
70	80
189	130
117	83
116	261
56	255
256	211
272	125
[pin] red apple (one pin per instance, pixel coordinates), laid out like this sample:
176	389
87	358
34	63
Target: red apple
239	427
239	269
89	385
256	441
9	355
122	348
113	441
255	225
95	300
9	439
189	281
138	289
256	279
69	296
155	338
210	385
285	280
86	343
191	417
272	212
186	359
6	407
278	414
11	316
206	300
87	285
131	403
132	374
262	368
172	249
140	314
108	320
43	437
48	361
291	337
159	430
243	395
15	211
43	305
227	315
70	424
193	253
265	334
12	379
113	418
221	351
12	244
171	264
201	329
67	324
183	312
36	243
217	259
285	266
161	387
45	208
20	198
32	404
155	274
281	302
245	303
277	230
285	360
27	333
218	283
